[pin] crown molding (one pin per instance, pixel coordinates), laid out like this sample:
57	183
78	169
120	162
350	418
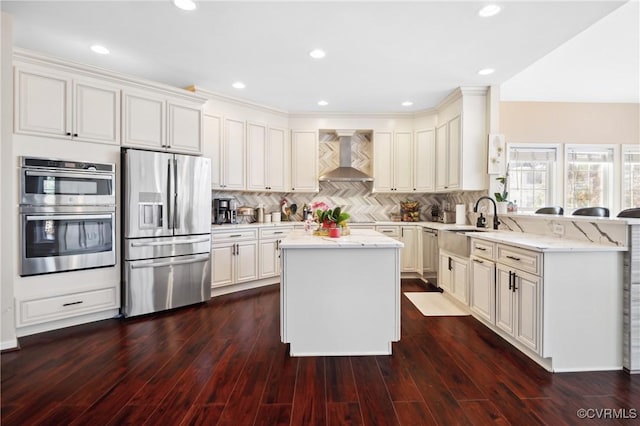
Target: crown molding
460	92
210	94
90	71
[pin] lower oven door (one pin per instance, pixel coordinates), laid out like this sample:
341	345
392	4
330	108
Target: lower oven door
57	242
153	285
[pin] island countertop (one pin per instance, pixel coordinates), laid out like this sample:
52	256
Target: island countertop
359	238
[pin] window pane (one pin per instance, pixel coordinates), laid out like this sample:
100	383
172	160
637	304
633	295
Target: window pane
589	177
531	172
631	178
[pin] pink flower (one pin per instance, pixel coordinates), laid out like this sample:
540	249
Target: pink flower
319	205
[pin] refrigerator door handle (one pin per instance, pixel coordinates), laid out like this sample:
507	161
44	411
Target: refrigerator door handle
175	193
170	263
170	204
170	243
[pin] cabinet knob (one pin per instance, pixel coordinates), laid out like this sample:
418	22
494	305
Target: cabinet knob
68	133
75	135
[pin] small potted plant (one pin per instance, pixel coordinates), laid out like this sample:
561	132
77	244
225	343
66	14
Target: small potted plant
501	197
330	221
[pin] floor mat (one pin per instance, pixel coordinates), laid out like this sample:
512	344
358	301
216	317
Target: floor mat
433	304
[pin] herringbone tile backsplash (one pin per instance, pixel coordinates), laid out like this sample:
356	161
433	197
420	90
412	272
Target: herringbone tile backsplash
353	197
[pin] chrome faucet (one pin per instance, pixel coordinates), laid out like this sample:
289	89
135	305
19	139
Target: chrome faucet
481	223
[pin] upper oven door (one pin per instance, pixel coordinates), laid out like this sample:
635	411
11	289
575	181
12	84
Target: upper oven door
40	186
64	241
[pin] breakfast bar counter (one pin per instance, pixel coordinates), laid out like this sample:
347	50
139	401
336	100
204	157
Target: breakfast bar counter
340	296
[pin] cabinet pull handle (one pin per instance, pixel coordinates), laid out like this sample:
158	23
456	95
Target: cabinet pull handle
72	303
449	266
233	250
237	248
235	235
513	258
510	275
279	232
387	230
478	261
481	248
514	282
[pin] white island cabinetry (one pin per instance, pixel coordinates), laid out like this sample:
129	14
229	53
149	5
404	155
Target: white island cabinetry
340	296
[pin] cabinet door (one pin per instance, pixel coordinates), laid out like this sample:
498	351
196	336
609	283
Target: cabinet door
444	273
184	128
460	280
268	258
43	104
527	313
304	161
403	161
482	289
246	261
504	300
233	154
424	151
441	157
383	161
222	264
96	112
257	152
143	121
212	147
409	251
453	162
276	160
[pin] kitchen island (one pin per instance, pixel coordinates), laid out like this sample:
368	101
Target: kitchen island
340	296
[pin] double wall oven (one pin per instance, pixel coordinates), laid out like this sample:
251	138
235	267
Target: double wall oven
67	215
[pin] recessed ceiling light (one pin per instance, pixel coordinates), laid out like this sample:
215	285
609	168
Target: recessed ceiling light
486	71
317	54
407	103
323	103
489	10
100	49
185	4
238	85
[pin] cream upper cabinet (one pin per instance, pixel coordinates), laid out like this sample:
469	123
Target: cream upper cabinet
224	144
424	150
184	127
266	155
233	155
402	162
212	146
144	124
461	142
304	161
151	120
66	106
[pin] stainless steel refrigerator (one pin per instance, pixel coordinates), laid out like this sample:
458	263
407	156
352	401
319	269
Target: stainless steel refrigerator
167	231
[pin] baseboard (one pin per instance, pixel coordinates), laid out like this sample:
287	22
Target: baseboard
9	345
219	291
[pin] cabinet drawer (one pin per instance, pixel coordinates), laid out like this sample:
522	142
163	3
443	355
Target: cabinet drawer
218	236
389	230
275	232
484	249
525	260
59	307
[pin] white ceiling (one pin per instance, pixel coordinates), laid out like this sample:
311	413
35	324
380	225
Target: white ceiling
379	54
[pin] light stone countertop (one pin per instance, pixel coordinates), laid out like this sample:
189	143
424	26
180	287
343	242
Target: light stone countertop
359	238
541	242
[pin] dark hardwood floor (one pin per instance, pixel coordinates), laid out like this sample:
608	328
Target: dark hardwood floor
222	363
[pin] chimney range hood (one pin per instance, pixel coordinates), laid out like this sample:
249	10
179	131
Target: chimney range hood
345	172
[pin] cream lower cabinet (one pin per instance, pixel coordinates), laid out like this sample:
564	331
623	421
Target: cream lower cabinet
269	250
409	236
517	305
234	256
482	288
453	276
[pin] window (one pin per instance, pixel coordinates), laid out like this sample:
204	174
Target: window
589	181
630	177
532	174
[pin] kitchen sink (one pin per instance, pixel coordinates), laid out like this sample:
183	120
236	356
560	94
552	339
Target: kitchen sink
455	241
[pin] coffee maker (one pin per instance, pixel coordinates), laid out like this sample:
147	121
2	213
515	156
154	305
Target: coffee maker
225	210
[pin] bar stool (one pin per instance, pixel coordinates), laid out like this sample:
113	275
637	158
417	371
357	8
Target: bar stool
550	210
634	212
591	211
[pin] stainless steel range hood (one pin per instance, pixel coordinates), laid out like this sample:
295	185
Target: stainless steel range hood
345	172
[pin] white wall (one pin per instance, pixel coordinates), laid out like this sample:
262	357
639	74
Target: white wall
7	208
